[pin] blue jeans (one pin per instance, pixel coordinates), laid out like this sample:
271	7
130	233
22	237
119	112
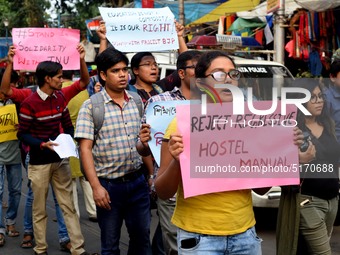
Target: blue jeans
28	219
129	202
246	243
14	179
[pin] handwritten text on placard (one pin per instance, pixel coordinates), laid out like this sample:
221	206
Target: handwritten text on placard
34	45
140	29
240	152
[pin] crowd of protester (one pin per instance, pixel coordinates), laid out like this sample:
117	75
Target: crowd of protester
117	171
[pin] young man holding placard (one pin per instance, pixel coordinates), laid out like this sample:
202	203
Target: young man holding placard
41	116
18	96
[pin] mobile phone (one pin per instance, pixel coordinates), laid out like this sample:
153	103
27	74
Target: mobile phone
189	243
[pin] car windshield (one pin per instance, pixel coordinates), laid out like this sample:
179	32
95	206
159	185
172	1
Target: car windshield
263	78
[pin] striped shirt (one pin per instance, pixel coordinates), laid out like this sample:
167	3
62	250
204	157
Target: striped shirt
40	119
114	152
19	95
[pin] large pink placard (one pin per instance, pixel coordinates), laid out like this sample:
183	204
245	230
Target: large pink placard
34	45
224	152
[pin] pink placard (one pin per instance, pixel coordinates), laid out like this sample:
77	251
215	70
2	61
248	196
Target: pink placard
34	45
236	151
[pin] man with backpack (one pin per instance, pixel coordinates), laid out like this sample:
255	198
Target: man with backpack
110	159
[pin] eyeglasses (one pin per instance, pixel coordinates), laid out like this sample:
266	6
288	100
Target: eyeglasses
190	67
150	64
314	98
234	74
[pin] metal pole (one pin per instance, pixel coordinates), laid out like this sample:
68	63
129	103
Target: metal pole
7	38
279	33
181	12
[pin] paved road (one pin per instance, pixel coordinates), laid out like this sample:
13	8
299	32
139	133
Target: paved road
90	229
265	227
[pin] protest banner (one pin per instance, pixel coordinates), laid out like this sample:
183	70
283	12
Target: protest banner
8	122
140	29
224	152
159	115
34	45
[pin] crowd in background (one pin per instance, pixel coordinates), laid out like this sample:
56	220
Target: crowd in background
117	171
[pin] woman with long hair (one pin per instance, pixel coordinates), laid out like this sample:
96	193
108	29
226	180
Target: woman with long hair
313	204
211	223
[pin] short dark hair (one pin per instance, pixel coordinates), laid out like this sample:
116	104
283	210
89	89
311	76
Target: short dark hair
135	61
47	68
186	56
335	68
108	58
137	58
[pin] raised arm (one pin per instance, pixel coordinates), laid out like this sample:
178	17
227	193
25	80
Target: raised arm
180	32
6	78
84	73
101	32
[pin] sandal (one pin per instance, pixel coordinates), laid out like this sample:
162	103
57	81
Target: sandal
66	246
2	239
27	242
11	232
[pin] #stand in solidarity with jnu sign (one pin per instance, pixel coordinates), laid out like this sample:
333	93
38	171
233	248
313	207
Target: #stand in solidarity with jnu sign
34	45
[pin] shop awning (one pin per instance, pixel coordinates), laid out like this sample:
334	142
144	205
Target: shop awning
318	5
204	11
231	6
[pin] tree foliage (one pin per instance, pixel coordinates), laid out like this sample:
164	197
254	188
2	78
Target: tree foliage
27	13
70	13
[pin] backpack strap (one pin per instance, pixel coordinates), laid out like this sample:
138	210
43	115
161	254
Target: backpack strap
138	101
131	88
98	111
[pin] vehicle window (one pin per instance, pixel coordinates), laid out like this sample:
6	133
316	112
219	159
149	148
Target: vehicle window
168	72
262	79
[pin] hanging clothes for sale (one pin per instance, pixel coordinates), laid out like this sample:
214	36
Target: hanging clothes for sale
315	64
317	30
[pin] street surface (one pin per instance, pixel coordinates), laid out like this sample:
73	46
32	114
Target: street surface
265	227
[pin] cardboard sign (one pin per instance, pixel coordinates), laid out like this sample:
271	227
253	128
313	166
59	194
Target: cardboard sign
34	45
224	152
8	122
159	115
140	29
